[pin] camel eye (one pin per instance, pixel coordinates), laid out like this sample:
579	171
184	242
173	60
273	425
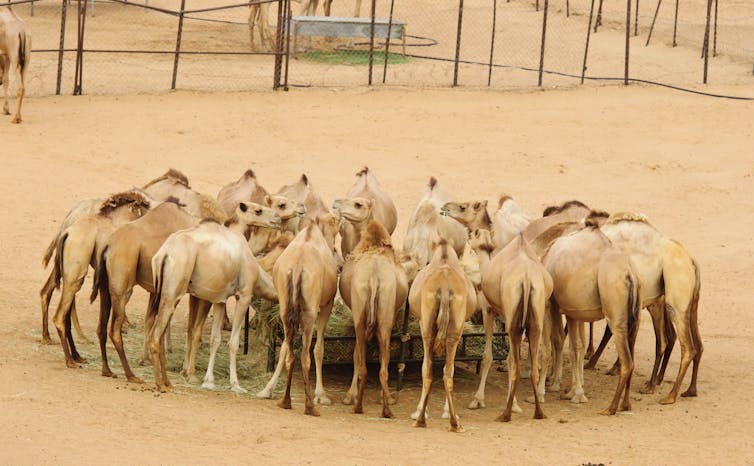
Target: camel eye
359	205
463	208
282	206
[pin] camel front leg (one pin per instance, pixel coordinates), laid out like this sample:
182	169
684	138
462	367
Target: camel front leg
242	305
267	391
687	353
116	336
489	326
215	339
575	337
5	71
157	345
20	92
320	397
193	339
557	336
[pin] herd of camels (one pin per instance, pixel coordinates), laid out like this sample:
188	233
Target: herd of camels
456	260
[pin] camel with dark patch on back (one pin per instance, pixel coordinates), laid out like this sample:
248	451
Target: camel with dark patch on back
305	276
77	249
383	208
15	53
245	189
442	298
211	262
518	287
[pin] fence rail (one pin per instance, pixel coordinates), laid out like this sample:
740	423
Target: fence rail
155	45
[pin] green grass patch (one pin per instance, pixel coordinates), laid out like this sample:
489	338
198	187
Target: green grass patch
353	57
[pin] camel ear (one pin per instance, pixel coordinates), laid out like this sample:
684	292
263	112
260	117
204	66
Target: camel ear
243	207
267	200
477	205
370	203
484	203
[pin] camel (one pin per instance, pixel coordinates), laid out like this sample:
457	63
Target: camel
276	248
301	191
571	211
670	290
174	185
518	287
374	286
290	213
15	53
77	249
258	16
507	222
442	298
383	210
426	226
211	262
245	189
305	276
592	279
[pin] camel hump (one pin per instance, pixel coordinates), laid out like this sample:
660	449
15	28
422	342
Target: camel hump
305	179
432	182
376	235
596	218
566	205
363	172
502	199
135	199
249	174
176	176
627	217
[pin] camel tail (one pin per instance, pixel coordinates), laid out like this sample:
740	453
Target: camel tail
293	313
443	319
22	51
49	252
60	247
524	304
156	297
693	310
372	305
634	302
100	272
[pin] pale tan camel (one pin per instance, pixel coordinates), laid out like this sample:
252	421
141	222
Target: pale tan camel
305	276
15	53
310	7
593	279
506	224
518	287
290	213
211	262
383	210
77	249
670	291
258	17
571	211
302	191
442	298
276	248
426	226
245	189
374	286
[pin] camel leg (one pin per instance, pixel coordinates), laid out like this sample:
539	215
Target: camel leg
687	354
546	342
149	318
576	340
696	339
285	403
76	326
252	22
361	344
671	338
45	295
320	397
116	336
622	345
104	318
489	326
61	318
20	92
354	388
558	339
156	345
383	338
242	305
71	344
535	337
447	378
6	82
590	348
306	360
266	392
214	342
193	304
658	322
421	408
356	9
600	348
327	6
514	371
194	338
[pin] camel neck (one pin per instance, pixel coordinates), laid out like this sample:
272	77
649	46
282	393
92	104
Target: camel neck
484	259
483	221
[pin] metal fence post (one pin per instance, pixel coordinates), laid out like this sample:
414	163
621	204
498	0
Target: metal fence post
371	41
387	41
705	45
542	47
458	43
81	24
675	23
178	43
586	46
628	41
492	41
288	15
654	19
63	14
278	47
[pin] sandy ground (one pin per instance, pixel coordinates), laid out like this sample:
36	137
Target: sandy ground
683	160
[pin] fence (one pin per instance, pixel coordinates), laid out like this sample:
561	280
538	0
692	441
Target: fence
123	47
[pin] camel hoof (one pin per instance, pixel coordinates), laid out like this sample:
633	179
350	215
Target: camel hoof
358	410
134	379
322	400
648	389
392	398
348	400
80	359
668	400
267	394
108	373
688	393
626	407
505	417
539	415
607	412
579	399
285	404
420	423
238	389
554	387
164	388
192	379
415	415
72	365
6	111
386	413
517	409
16	120
457	429
476	403
311	411
590	366
46	340
208	385
144	362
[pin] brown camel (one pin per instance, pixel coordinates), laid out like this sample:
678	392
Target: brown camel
302	191
426	226
305	276
442	298
15	53
77	249
211	262
374	286
290	213
245	189
670	290
518	287
383	209
593	279
506	224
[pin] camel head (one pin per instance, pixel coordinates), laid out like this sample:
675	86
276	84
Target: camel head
467	213
253	214
285	208
355	210
481	240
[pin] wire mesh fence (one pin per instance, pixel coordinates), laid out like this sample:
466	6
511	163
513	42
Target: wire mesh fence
136	46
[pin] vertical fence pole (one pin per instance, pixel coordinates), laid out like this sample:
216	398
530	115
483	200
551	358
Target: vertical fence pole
371	41
492	41
675	24
705	46
714	41
79	75
586	46
598	21
178	43
63	12
278	68
636	19
542	47
458	43
654	18
628	41
288	14
387	41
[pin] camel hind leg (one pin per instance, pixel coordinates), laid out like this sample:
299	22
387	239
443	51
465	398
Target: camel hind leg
447	378
45	295
489	326
116	336
5	74
320	397
215	340
383	338
428	340
20	92
514	371
307	326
